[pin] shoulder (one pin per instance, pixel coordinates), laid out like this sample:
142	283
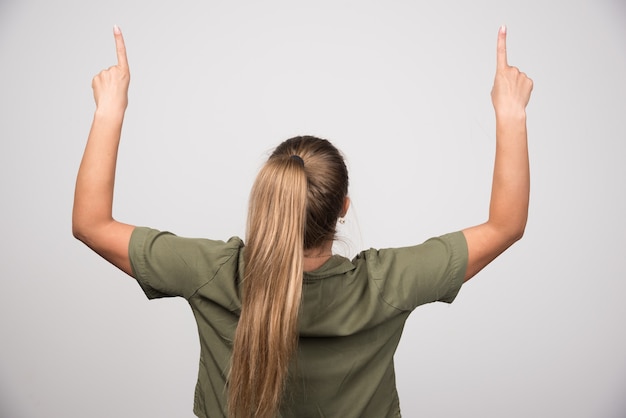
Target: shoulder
410	276
178	266
148	240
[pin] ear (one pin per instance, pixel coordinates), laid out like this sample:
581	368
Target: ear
346	206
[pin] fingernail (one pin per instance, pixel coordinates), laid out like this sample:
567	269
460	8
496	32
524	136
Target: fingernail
116	30
503	29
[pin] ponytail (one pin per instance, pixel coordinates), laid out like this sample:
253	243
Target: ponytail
267	334
294	205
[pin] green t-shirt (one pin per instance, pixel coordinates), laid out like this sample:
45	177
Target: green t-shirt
352	316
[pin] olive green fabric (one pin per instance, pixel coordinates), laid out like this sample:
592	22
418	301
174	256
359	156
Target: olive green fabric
352	316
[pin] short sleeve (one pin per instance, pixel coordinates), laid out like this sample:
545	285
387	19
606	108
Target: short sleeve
412	276
167	265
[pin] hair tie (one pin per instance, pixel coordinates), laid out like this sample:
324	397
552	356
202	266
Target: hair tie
297	158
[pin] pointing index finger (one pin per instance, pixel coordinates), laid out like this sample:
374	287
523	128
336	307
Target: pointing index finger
120	47
501	50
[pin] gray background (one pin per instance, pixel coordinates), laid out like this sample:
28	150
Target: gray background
403	89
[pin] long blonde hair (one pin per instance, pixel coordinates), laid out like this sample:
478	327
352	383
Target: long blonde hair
294	204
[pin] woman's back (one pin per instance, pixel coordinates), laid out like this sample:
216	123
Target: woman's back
351	318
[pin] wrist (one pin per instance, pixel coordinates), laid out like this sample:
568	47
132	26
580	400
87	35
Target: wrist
109	113
511	117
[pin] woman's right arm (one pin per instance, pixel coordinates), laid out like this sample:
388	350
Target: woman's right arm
92	220
508	209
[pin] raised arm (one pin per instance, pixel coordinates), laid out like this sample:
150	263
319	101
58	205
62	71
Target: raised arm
92	219
508	209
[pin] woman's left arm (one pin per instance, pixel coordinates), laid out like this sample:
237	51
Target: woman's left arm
92	218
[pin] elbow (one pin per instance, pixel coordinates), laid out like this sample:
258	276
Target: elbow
77	234
508	233
77	222
517	233
78	231
90	232
521	228
81	228
85	224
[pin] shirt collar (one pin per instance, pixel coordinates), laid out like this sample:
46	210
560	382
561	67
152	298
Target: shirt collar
334	266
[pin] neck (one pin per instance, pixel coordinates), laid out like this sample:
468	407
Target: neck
314	258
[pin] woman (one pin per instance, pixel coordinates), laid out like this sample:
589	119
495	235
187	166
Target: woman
286	328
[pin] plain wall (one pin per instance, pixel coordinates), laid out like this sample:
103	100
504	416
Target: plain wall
402	87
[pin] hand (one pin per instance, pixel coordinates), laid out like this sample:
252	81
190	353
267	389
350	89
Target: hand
511	88
110	86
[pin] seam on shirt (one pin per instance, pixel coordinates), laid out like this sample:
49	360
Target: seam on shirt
140	270
373	276
456	260
215	274
459	260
